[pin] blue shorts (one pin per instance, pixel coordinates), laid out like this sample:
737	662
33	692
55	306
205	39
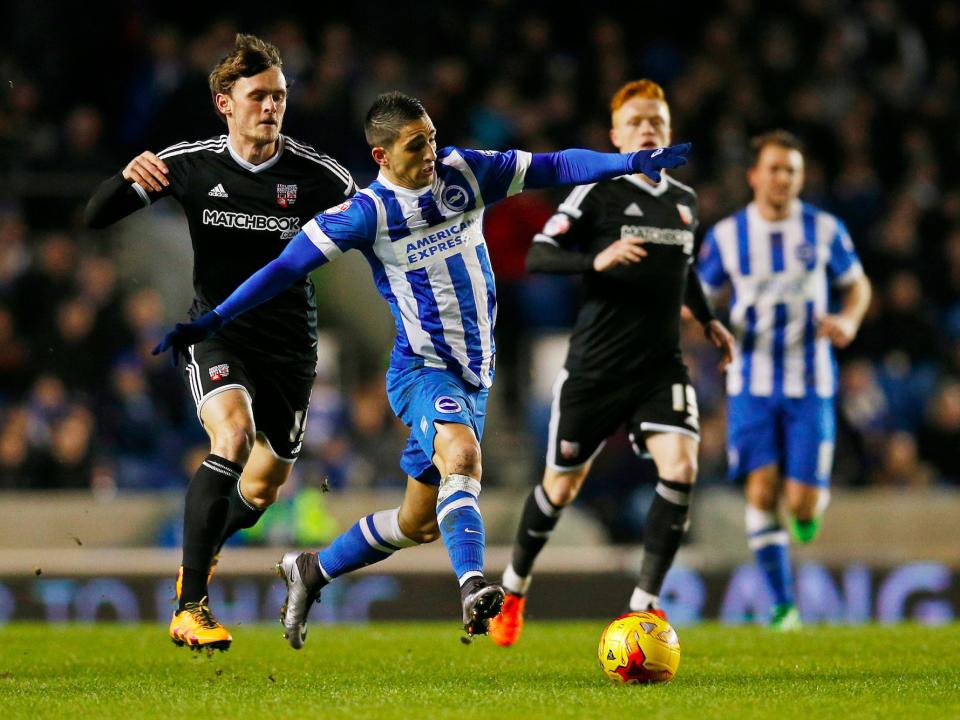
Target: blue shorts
423	396
798	434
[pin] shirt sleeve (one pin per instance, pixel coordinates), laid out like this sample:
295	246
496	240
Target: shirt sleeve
710	264
844	266
324	238
499	174
347	226
557	248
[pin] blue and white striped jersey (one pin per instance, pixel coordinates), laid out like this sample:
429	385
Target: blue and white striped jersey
429	258
782	273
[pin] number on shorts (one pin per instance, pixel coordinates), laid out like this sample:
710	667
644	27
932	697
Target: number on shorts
685	400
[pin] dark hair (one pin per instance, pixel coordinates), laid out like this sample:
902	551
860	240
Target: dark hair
250	56
388	115
780	138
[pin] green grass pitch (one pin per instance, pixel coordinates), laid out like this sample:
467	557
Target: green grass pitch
422	671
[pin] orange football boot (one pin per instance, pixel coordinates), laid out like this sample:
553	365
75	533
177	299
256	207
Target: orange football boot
196	627
506	627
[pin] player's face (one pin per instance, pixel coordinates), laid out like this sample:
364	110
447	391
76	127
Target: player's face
641	124
255	106
410	161
777	178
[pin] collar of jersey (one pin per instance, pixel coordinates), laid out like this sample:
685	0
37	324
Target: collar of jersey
655	190
796	209
262	166
402	190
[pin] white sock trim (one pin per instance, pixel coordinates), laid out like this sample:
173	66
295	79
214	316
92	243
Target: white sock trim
515	584
756	520
456	505
676	497
774	537
244	500
467	575
642	601
387	523
543	502
323	572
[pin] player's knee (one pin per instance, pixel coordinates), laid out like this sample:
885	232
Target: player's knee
233	441
563	488
681	469
465	460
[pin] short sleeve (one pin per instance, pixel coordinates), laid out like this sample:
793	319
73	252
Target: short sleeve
499	174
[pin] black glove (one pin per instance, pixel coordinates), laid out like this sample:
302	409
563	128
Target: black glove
184	335
650	162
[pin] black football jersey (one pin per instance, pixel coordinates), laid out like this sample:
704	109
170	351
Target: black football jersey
241	217
630	315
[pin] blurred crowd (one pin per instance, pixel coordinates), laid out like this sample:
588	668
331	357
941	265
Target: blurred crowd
872	88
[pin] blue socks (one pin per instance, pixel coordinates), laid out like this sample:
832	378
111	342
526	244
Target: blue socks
372	538
376	537
770	545
461	525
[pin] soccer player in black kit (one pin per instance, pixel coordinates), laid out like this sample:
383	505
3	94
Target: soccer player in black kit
633	241
245	194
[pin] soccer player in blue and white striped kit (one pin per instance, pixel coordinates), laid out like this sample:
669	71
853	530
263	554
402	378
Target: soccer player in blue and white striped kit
783	258
419	225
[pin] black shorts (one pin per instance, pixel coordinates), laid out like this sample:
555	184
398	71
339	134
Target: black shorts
279	392
586	411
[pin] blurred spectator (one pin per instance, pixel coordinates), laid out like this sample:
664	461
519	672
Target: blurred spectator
939	437
901	466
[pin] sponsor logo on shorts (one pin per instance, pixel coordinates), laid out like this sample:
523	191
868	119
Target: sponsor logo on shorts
447	404
569	449
218	372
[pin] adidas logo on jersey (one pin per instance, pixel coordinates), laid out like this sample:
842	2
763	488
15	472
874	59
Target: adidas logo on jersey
218	191
633	209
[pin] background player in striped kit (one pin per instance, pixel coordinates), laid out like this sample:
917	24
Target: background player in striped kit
783	258
245	194
419	225
632	239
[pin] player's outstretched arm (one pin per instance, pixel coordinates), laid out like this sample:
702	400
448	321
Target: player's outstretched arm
116	197
297	259
575	167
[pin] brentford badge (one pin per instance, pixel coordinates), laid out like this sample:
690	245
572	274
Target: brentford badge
218	372
686	214
286	195
569	450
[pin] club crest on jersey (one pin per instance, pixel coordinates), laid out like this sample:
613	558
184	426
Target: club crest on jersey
557	225
569	449
338	208
218	372
286	195
686	214
454	197
447	404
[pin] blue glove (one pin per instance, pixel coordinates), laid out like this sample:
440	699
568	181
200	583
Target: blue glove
650	162
184	335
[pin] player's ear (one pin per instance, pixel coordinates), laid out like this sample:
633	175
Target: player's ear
224	103
379	156
613	138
